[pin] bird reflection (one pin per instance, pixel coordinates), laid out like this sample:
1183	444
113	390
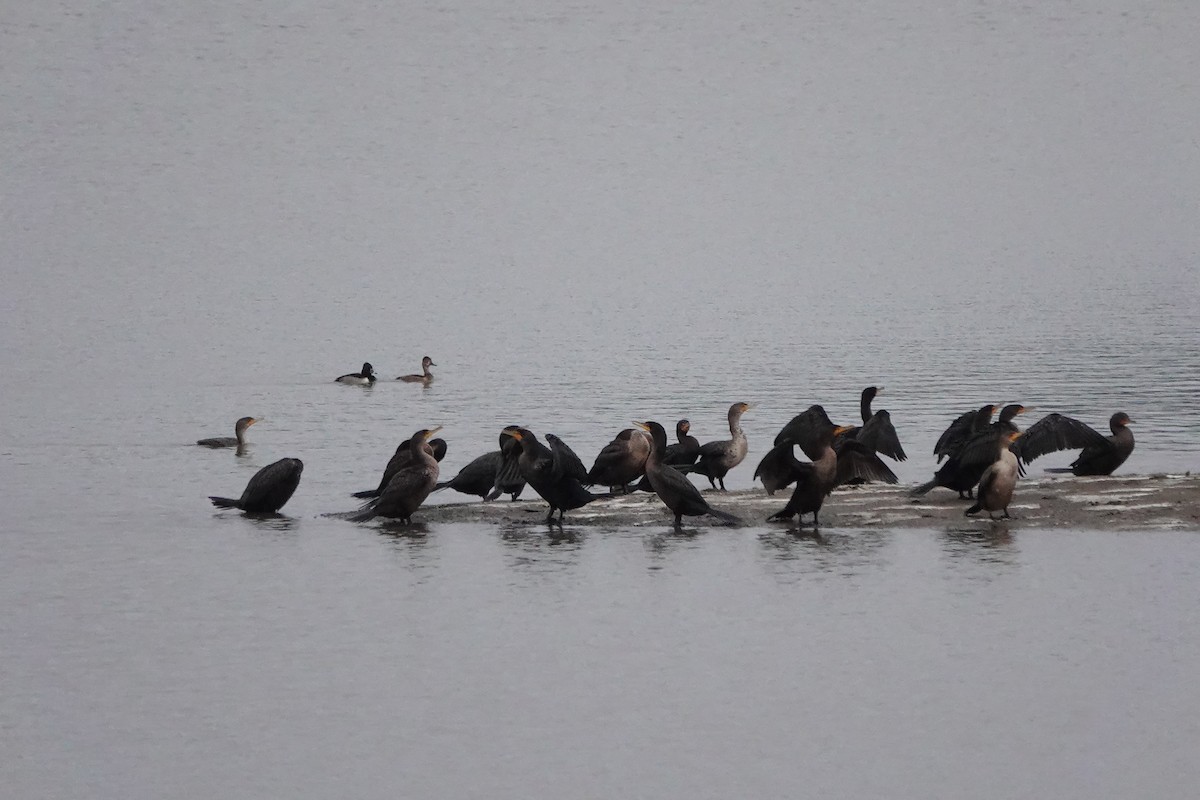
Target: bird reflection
271	521
805	551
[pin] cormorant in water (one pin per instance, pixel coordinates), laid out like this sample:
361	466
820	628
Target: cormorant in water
268	490
676	491
1101	454
717	458
425	377
399	460
620	461
481	476
829	467
877	431
409	486
999	479
544	473
238	440
366	377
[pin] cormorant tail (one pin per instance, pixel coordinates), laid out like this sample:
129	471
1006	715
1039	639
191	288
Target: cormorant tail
440	485
224	502
784	514
975	509
923	488
367	494
1058	469
725	517
364	515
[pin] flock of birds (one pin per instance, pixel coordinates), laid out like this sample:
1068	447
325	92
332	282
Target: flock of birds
983	460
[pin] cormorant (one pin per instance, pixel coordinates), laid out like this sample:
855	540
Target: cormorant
969	453
572	466
999	479
268	490
877	431
620	461
365	377
409	486
399	460
425	377
681	454
777	469
1101	454
829	467
956	435
676	491
480	477
717	458
239	438
545	474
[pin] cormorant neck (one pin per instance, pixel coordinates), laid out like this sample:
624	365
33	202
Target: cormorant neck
865	404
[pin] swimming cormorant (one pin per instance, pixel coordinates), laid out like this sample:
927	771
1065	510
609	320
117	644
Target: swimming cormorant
543	472
717	458
425	377
676	491
1101	454
365	377
268	490
409	486
238	440
999	478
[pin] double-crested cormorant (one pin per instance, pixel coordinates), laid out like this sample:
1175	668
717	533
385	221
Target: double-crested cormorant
877	432
572	466
425	377
999	478
717	458
545	474
970	450
399	460
620	461
807	429
239	438
829	467
681	454
956	435
365	377
1101	454
268	490
409	486
480	477
676	491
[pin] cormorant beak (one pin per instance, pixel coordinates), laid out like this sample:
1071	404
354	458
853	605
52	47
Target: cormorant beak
840	429
429	434
1024	409
642	425
252	421
1014	435
514	434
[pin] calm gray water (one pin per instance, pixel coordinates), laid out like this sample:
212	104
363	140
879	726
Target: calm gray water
586	214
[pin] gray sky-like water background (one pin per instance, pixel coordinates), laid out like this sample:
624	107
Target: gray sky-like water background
586	214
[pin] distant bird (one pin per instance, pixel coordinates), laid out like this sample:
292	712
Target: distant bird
719	457
620	461
999	479
409	486
365	377
1101	454
482	476
268	490
425	377
399	460
681	454
239	438
678	493
545	474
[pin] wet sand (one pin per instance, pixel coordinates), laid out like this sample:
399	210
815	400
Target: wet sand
1127	502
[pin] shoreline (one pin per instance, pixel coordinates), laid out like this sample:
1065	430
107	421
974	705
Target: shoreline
1127	502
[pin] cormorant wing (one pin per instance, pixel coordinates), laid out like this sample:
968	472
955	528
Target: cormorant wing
878	434
780	465
1055	432
955	435
855	460
805	429
569	464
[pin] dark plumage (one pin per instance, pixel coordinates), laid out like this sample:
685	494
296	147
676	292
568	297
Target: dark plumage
808	429
956	435
546	475
399	460
482	477
364	377
999	478
237	440
877	432
676	491
268	490
620	461
971	452
1101	454
718	458
409	485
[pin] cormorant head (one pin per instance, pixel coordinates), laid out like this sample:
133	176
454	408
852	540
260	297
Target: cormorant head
1012	410
245	422
1119	420
682	427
